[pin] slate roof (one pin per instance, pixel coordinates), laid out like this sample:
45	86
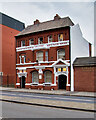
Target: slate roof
48	25
85	61
11	22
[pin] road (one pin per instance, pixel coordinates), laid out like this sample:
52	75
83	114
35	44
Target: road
14	110
50	97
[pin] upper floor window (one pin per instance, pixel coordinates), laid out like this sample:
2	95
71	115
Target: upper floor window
31	41
60	37
50	39
22	59
39	56
61	54
46	56
35	78
22	43
48	77
40	40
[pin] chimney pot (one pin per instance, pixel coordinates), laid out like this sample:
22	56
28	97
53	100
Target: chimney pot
57	17
36	22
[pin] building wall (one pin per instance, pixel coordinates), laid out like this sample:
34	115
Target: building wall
0	48
79	48
84	79
44	34
8	53
52	56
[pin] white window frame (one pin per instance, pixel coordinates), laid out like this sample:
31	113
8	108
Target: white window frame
20	59
49	39
30	41
59	38
58	53
39	40
49	77
22	43
46	55
33	78
37	54
24	58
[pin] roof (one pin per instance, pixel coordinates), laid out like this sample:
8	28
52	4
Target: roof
85	61
48	25
11	22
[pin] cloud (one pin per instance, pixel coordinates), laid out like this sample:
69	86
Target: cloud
79	12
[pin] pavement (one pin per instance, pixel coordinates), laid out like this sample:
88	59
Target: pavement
51	92
50	103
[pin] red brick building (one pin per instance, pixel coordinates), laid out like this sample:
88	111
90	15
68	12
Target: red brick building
84	74
9	27
43	52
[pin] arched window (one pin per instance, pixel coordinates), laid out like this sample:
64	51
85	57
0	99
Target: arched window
61	54
48	77
39	56
35	78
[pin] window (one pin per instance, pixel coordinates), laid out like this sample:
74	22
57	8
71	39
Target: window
40	40
50	39
39	56
31	41
46	56
20	59
22	43
61	54
35	77
48	77
24	58
60	37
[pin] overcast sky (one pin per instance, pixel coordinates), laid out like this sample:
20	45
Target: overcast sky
80	12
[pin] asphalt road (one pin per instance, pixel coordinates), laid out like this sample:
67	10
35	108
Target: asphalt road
50	97
14	110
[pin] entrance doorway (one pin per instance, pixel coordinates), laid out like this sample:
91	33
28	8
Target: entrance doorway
22	82
62	79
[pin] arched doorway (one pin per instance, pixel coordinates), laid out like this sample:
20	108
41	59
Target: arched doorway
22	82
62	79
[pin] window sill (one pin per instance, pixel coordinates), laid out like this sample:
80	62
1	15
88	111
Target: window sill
46	84
36	84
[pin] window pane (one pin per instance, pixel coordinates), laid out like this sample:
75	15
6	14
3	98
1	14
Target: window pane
46	56
40	40
60	37
23	43
61	54
50	38
32	42
35	77
48	77
39	56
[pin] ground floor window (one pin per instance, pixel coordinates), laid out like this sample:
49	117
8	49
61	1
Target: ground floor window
35	78
48	77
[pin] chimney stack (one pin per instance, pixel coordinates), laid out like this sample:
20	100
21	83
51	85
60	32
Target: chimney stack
36	22
57	17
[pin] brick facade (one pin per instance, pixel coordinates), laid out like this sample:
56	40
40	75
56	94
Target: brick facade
9	28
84	78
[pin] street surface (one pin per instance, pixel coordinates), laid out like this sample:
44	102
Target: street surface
14	110
50	97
